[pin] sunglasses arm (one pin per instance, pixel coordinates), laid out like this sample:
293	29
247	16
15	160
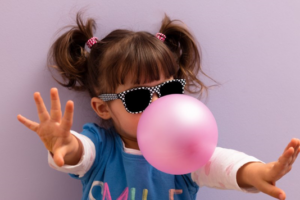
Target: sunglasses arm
108	97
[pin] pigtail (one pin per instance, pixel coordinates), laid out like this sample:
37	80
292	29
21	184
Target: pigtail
69	55
185	49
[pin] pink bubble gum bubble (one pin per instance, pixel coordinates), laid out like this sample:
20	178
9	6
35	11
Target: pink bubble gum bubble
177	134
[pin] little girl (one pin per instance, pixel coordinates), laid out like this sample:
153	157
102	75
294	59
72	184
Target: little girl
107	160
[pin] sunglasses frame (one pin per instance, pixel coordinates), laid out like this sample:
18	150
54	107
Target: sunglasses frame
153	89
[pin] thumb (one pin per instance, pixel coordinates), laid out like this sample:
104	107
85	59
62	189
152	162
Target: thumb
58	157
272	190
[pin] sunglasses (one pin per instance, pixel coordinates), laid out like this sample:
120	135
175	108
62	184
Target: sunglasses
136	100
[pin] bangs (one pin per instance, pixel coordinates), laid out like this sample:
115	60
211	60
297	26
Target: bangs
148	58
142	56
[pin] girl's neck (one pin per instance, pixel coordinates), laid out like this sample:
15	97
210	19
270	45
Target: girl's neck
131	144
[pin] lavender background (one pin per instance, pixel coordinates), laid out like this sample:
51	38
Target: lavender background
251	47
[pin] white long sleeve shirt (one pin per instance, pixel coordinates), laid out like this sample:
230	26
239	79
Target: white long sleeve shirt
219	172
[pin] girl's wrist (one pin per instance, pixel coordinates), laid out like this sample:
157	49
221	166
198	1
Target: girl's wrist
75	153
247	173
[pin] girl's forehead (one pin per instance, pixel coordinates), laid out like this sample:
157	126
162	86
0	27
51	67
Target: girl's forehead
129	83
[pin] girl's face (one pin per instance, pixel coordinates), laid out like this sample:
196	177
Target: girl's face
124	122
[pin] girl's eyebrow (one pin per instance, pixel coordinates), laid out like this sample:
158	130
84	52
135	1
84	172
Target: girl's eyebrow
138	86
135	86
141	85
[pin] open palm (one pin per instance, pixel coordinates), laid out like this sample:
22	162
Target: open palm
53	129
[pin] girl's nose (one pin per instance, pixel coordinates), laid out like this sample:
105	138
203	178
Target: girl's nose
155	96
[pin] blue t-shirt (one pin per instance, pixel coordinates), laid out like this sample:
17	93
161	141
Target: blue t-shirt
116	175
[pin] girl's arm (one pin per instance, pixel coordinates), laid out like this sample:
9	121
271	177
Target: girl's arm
221	170
264	176
54	130
86	161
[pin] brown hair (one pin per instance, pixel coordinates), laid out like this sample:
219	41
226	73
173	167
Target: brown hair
121	52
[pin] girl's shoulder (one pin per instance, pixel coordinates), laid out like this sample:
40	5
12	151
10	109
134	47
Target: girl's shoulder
93	127
97	133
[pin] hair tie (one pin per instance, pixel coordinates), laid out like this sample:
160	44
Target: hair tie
161	36
91	42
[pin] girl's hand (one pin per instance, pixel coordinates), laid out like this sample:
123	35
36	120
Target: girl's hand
54	130
264	176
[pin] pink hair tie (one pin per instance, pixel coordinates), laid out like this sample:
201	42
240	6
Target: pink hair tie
161	36
91	42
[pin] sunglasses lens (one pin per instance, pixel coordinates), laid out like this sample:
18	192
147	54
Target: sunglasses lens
137	100
174	87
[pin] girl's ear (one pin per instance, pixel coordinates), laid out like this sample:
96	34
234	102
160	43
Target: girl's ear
101	108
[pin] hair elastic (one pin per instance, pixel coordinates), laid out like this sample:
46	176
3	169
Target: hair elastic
91	42
161	36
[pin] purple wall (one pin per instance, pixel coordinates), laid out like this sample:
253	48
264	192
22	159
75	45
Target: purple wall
251	47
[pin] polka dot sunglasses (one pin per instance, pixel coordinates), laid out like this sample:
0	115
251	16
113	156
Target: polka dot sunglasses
136	100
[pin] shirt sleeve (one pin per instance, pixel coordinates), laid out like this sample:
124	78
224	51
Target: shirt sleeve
221	170
86	161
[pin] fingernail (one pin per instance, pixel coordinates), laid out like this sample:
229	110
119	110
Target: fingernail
281	197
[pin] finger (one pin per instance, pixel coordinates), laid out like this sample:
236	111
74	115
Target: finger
67	119
293	143
41	108
296	152
55	111
58	157
271	190
282	166
28	123
297	145
287	156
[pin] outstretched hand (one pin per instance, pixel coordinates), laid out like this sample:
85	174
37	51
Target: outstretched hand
264	176
53	129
